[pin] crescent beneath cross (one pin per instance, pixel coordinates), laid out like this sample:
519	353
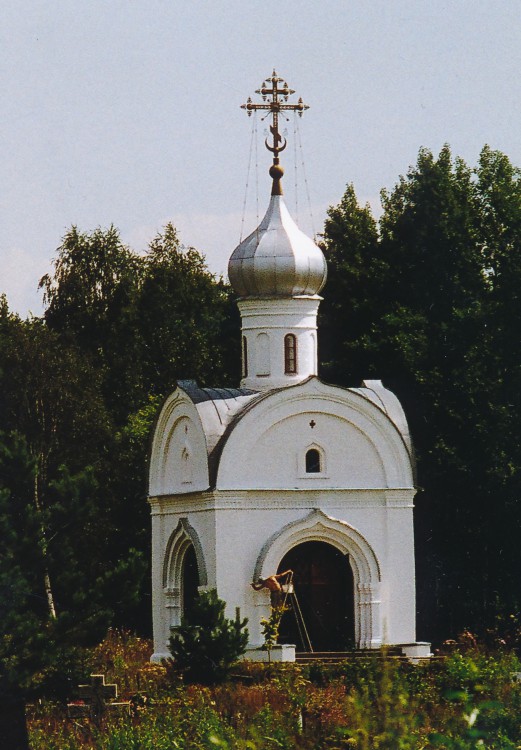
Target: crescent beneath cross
276	149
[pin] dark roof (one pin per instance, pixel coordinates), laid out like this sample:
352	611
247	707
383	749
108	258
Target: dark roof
198	394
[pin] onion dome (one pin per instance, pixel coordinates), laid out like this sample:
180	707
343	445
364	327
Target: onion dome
277	259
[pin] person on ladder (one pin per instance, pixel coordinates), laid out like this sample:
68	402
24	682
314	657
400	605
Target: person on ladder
272	584
279	595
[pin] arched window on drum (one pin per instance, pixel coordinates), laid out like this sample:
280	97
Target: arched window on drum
290	354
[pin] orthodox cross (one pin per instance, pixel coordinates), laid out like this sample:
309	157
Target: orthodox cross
279	91
95	700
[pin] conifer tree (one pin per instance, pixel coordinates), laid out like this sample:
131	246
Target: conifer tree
438	318
206	644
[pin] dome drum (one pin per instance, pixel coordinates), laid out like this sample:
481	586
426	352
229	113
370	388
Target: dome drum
281	343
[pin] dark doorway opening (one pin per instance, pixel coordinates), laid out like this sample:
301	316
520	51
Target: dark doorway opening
190	582
323	581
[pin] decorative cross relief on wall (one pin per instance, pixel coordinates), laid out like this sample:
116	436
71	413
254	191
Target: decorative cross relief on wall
186	465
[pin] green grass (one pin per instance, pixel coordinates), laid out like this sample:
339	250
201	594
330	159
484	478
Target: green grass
464	701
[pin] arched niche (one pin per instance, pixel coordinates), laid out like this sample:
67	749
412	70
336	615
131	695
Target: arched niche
262	355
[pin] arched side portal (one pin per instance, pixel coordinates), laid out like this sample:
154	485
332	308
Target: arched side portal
318	527
184	570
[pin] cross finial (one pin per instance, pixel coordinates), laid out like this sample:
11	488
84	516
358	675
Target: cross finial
275	93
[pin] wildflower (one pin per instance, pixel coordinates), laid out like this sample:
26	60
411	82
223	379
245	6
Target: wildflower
471	718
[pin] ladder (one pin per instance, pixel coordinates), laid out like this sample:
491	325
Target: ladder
288	589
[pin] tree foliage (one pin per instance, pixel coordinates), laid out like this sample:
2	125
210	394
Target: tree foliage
351	241
436	321
37	644
182	311
91	301
140	322
79	390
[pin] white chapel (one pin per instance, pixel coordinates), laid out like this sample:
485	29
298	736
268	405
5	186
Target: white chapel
285	472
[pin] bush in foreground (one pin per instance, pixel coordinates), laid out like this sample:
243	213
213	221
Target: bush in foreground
206	644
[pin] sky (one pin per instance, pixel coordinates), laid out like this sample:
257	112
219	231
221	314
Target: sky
128	113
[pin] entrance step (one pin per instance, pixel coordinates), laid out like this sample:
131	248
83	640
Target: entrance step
335	657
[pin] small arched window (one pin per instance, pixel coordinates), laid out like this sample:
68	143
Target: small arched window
244	357
313	461
290	354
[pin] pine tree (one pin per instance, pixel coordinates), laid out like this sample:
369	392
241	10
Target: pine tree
206	644
418	314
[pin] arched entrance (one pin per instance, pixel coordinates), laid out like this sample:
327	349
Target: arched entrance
189	581
353	547
324	586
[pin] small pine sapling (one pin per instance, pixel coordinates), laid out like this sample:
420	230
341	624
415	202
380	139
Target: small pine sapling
206	644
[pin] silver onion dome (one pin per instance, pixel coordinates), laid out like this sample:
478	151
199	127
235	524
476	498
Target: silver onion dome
277	259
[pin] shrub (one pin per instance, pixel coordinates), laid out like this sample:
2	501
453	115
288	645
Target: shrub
206	644
124	658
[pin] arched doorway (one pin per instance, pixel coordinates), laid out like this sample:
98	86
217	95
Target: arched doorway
189	581
323	581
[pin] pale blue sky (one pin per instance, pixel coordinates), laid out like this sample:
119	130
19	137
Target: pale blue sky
128	112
